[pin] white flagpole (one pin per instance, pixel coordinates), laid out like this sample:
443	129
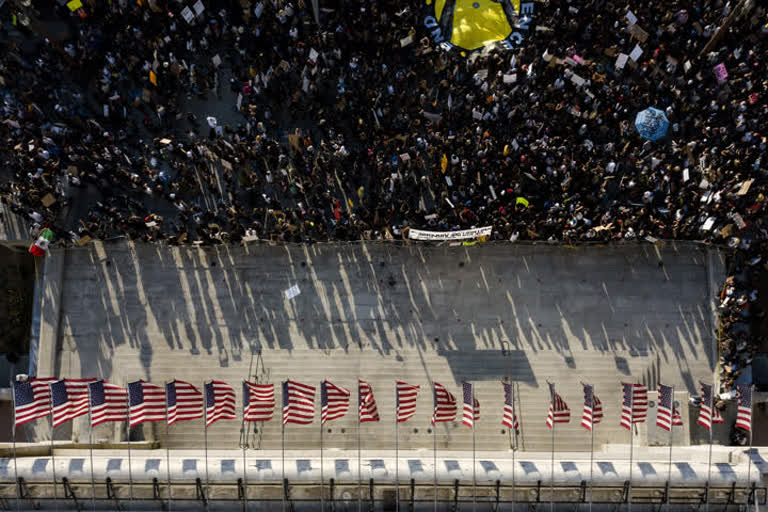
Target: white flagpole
474	470
749	456
514	442
130	469
282	440
671	438
245	466
205	438
552	462
591	449
359	475
434	461
13	440
53	457
397	458
322	498
631	442
711	428
90	447
167	452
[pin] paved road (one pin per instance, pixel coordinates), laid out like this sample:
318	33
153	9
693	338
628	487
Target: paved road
423	315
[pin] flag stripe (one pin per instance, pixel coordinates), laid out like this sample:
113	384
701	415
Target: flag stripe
108	402
298	403
634	406
69	399
744	412
31	399
593	408
405	401
509	418
558	409
367	410
184	401
471	411
258	401
445	405
219	402
708	414
334	401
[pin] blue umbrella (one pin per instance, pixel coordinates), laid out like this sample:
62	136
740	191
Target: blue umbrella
651	123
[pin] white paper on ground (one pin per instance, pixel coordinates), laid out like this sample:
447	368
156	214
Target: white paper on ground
292	292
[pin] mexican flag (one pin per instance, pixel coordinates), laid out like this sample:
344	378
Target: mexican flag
41	246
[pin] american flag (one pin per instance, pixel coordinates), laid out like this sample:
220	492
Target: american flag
634	407
744	413
677	420
334	401
509	419
445	405
471	406
69	399
406	401
367	410
108	402
593	408
219	402
708	414
146	402
31	399
667	414
298	403
558	409
258	401
183	400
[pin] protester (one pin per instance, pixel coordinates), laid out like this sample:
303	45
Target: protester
362	127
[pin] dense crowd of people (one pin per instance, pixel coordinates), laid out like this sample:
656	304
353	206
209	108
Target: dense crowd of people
363	126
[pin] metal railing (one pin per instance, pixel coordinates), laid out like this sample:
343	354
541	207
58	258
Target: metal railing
369	495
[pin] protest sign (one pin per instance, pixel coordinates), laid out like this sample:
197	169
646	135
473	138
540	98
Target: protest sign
739	220
510	79
187	14
74	5
744	188
638	33
636	53
439	236
708	224
577	80
631	18
720	72
199	8
313	55
621	60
